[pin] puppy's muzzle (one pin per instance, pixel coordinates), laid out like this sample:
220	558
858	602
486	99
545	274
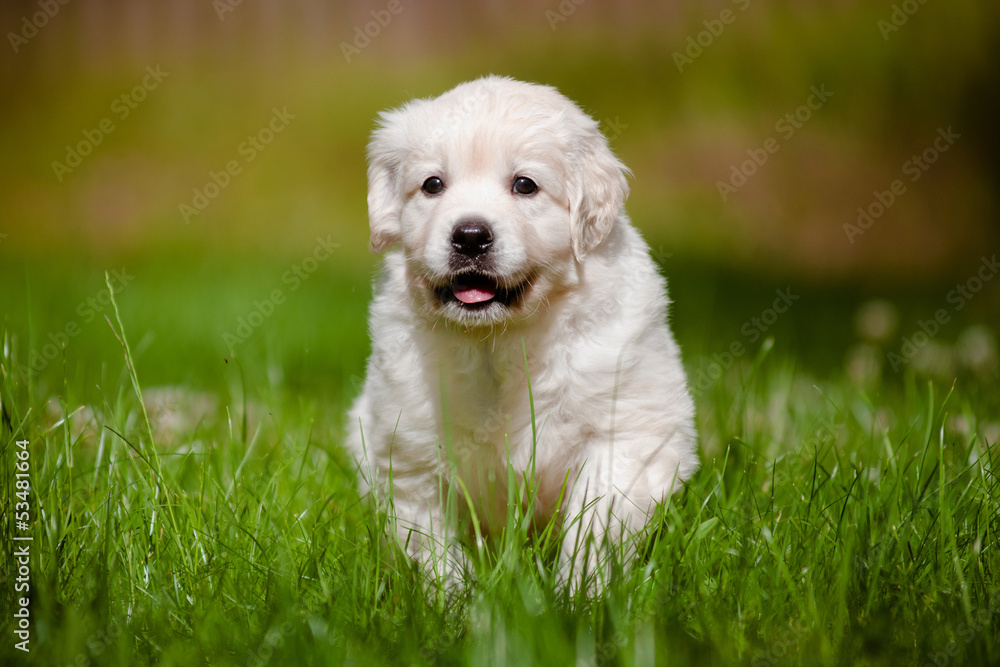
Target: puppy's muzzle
471	241
474	284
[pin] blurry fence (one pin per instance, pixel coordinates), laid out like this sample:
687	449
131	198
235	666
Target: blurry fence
93	32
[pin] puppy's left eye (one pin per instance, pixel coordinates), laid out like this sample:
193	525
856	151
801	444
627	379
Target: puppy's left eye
433	185
524	186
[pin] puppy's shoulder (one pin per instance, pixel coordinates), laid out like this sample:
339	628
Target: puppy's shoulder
625	266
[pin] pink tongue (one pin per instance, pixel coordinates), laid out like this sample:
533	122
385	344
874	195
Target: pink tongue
472	294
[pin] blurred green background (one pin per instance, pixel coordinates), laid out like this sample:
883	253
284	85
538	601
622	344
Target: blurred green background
683	90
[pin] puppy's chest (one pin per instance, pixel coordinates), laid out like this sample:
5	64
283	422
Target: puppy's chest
488	407
492	426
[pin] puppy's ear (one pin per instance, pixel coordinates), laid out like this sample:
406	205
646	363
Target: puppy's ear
383	207
597	190
384	194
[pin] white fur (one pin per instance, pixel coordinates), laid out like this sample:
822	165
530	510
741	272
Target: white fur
446	393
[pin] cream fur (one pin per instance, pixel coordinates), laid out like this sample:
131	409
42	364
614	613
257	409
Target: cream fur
446	393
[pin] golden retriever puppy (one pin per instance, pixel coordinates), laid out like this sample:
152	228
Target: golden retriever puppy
518	320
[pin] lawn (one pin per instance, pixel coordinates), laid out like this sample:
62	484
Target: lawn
845	513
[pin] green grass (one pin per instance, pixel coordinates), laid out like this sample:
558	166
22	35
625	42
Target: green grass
833	521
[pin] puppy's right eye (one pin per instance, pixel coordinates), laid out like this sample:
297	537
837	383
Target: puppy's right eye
524	186
433	185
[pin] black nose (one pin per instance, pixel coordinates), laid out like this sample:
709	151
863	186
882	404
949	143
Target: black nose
471	237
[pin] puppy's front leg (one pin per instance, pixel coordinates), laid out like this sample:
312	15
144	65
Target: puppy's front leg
426	532
612	500
600	520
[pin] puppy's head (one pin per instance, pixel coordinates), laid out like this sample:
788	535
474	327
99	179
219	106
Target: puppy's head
496	190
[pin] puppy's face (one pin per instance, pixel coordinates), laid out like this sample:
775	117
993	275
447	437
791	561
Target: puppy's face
496	191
